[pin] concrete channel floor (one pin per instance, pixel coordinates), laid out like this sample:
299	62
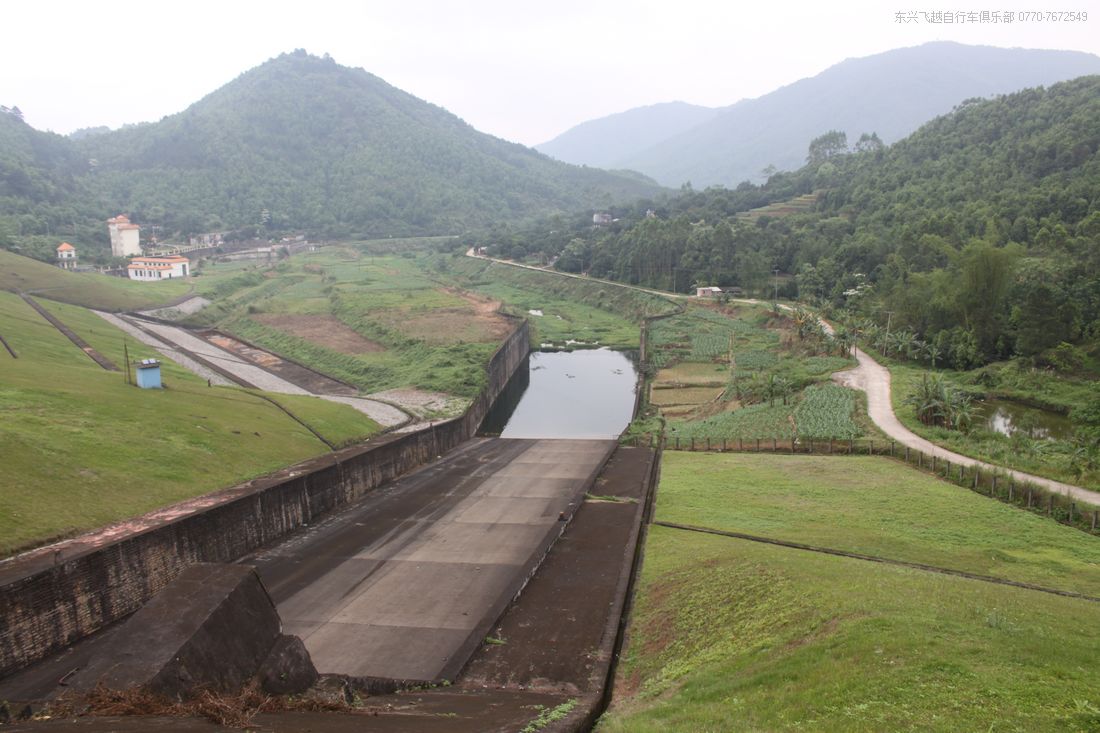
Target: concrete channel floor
405	584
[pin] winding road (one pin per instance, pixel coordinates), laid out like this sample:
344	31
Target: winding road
874	379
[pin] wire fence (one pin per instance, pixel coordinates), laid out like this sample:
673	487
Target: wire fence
996	484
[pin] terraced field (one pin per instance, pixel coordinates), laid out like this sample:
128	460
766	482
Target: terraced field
773	385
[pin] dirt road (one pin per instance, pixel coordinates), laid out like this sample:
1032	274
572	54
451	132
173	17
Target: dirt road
874	379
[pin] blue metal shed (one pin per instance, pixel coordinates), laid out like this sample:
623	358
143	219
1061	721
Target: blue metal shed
148	374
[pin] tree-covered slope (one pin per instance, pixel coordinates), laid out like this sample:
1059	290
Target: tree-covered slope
891	94
321	146
298	143
979	233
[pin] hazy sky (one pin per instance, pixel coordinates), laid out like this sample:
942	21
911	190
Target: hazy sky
524	71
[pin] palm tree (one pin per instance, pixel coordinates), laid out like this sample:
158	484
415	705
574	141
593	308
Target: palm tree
932	352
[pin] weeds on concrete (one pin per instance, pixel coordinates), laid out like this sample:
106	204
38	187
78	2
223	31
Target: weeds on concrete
231	710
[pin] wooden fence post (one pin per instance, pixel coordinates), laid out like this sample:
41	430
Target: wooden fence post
920	459
993	485
891	449
851	445
906	454
723	445
933	463
1050	505
1029	497
977	475
871	447
1011	488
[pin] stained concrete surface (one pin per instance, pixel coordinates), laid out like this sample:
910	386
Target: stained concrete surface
405	584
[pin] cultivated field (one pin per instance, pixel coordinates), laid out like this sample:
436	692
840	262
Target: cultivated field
377	322
729	634
768	378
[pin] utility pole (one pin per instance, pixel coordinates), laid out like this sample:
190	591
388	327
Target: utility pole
126	356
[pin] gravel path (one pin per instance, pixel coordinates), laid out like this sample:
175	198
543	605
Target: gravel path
383	414
874	379
165	350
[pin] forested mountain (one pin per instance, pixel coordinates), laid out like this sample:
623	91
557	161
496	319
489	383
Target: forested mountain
980	232
298	143
890	94
608	140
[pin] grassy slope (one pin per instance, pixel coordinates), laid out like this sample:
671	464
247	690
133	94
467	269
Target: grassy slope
875	506
82	449
1042	458
729	635
573	308
734	635
94	291
340	424
388	300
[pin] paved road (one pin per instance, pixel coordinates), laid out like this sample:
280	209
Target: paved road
874	379
407	583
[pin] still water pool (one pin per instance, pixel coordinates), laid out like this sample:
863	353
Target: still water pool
1007	417
584	394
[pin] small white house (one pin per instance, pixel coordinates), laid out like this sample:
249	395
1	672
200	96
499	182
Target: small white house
708	292
66	256
158	268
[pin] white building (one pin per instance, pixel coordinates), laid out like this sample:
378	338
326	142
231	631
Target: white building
66	256
125	237
158	268
708	292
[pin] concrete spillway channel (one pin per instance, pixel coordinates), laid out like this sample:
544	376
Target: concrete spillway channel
406	584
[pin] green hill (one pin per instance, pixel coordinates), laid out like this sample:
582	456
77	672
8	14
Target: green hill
980	232
299	143
24	275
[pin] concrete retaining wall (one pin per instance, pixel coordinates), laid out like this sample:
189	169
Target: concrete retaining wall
47	605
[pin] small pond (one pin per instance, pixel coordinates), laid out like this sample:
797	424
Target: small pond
1007	417
587	393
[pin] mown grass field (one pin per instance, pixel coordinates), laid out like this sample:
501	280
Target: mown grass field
875	506
82	449
728	634
93	291
1056	459
731	635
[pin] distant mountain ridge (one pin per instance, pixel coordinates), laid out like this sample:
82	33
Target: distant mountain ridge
891	93
607	141
301	143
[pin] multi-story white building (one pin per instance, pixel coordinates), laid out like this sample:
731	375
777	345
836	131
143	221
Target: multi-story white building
125	237
158	268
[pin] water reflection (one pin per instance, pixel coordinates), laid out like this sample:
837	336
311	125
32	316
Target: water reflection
1007	418
587	393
